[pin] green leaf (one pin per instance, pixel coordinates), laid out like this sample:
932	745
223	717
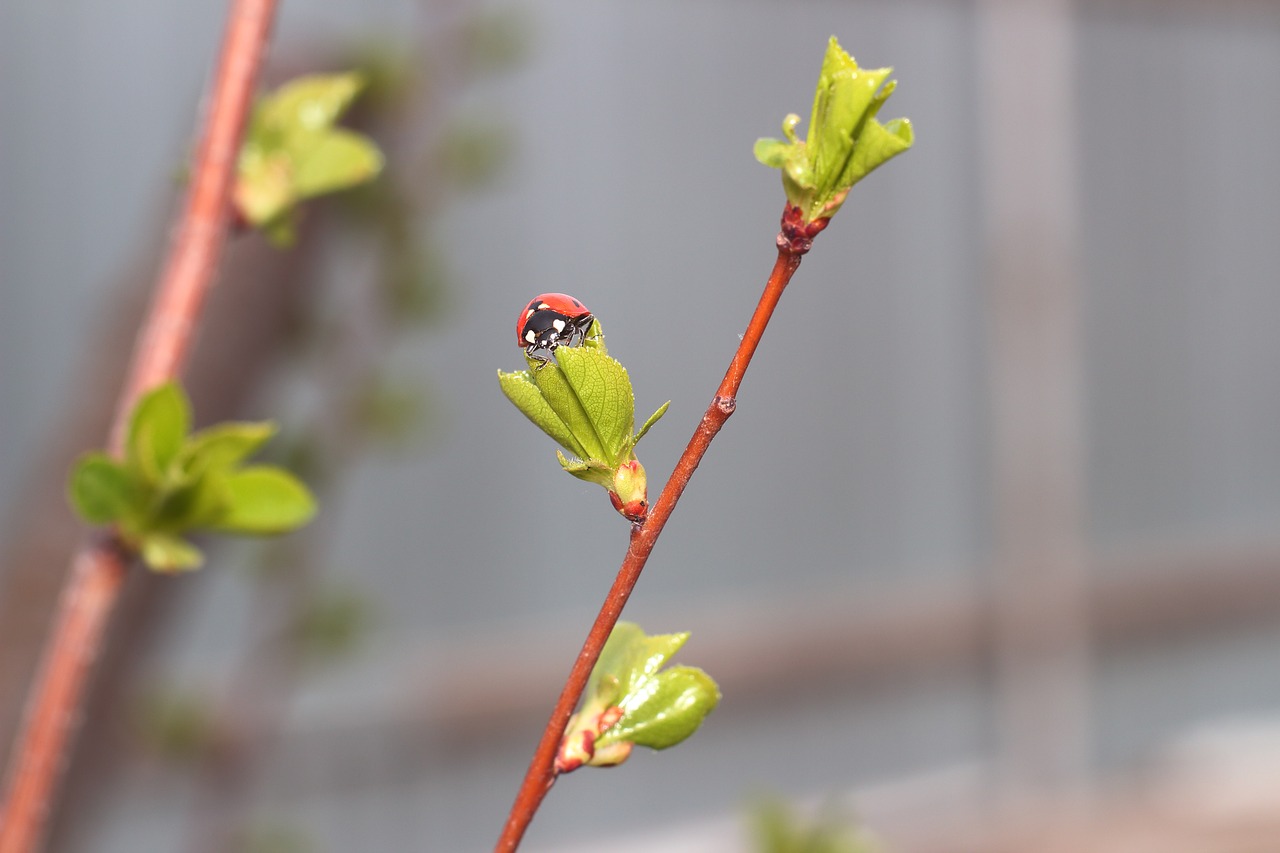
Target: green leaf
293	151
264	185
564	401
653	419
265	499
630	657
198	501
167	553
592	471
225	445
878	143
664	709
157	429
603	388
520	389
845	141
772	152
307	105
338	160
100	489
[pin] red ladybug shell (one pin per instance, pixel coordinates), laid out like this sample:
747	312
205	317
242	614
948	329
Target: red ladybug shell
548	307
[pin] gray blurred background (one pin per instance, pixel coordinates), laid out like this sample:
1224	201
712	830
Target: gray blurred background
988	552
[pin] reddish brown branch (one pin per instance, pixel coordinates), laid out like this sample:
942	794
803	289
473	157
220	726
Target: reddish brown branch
166	338
164	342
541	774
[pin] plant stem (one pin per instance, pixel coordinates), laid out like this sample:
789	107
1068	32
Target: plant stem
164	342
541	774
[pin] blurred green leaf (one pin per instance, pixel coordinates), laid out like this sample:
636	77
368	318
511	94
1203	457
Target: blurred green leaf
101	490
392	410
194	503
264	186
304	108
416	284
172	484
292	152
473	153
332	623
176	724
265	499
157	428
224	445
496	40
778	829
338	160
164	552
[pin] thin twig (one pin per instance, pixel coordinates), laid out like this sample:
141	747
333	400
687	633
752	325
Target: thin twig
98	570
541	774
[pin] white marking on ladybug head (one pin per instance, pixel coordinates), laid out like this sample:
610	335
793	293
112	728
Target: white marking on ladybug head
558	325
531	336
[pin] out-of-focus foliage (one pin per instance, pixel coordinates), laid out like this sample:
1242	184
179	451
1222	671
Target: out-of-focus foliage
294	151
777	828
171	483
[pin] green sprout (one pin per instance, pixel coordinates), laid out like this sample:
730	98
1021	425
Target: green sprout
584	402
171	483
632	701
846	141
293	152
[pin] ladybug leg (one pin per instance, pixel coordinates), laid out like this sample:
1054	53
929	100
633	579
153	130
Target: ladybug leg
581	332
542	360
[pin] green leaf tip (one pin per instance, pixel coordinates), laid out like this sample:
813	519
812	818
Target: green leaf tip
172	483
846	141
293	151
583	400
632	700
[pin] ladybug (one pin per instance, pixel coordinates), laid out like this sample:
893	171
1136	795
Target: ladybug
549	321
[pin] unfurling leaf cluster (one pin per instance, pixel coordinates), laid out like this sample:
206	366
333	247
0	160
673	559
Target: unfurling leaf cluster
293	151
846	141
583	400
171	483
631	700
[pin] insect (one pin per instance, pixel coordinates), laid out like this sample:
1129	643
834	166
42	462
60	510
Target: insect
549	321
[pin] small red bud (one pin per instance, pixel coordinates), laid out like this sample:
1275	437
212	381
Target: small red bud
576	750
609	716
629	494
